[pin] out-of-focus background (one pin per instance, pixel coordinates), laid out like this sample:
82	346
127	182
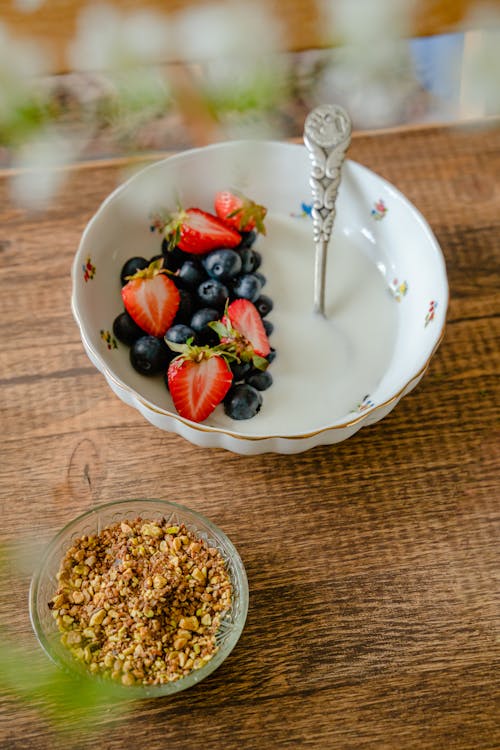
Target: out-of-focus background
82	80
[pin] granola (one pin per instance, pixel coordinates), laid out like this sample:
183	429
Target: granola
141	601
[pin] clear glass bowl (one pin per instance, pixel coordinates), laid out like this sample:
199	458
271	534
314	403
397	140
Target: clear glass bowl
44	584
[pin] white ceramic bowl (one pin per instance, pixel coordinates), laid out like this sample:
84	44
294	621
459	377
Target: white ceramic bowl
386	297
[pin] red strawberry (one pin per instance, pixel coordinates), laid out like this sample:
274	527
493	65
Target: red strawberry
198	380
245	318
196	231
151	299
238	211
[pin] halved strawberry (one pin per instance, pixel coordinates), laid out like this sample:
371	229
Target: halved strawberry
196	231
238	211
198	380
242	315
151	299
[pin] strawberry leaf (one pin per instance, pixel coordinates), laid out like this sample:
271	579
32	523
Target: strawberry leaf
260	363
220	329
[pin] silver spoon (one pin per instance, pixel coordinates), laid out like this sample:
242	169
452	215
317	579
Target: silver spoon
327	134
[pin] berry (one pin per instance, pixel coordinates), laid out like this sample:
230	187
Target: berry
213	293
202	317
242	402
264	305
247	286
243	316
186	307
150	355
247	239
268	326
173	257
199	323
126	330
272	354
197	232
179	334
250	260
238	211
260	379
190	275
222	264
198	380
151	299
240	370
261	277
131	266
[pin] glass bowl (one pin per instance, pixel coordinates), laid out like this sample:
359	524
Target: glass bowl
44	585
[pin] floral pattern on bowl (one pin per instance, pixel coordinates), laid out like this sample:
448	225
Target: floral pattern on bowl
379	210
431	312
277	175
398	289
88	270
108	339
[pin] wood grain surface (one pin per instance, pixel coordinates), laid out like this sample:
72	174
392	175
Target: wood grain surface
303	24
373	565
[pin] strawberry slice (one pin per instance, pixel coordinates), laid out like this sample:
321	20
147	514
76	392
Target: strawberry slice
242	315
151	299
196	231
238	211
198	380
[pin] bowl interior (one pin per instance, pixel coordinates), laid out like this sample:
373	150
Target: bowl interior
386	283
44	583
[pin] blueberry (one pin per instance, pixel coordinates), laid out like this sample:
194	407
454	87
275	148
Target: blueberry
250	260
264	305
222	264
202	317
190	275
242	402
268	326
272	354
260	379
173	258
126	330
247	239
199	323
131	266
179	334
213	293
186	307
261	277
247	286
150	355
239	370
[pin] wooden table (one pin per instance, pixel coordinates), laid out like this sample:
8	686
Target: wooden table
374	610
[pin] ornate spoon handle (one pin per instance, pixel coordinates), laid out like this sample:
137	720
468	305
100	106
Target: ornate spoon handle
327	134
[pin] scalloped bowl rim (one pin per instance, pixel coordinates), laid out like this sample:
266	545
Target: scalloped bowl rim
141	403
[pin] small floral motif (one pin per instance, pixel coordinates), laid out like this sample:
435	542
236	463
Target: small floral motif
365	404
109	340
430	312
379	210
398	290
88	269
305	210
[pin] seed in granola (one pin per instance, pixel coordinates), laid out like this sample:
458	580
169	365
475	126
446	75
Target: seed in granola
142	608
